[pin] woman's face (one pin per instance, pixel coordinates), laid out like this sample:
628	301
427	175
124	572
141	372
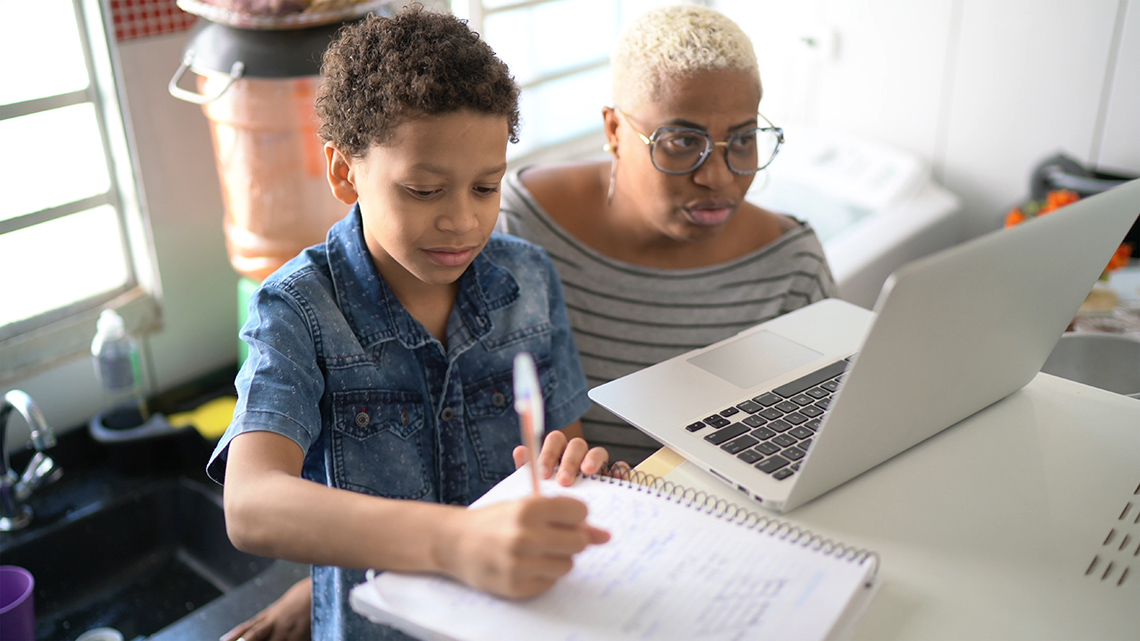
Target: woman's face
697	205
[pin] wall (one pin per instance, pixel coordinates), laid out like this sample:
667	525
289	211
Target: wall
980	89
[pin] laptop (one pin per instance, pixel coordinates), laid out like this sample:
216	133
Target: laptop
791	408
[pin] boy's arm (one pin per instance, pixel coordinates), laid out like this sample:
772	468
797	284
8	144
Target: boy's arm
272	511
515	549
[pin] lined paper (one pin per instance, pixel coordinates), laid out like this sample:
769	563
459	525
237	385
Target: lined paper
670	571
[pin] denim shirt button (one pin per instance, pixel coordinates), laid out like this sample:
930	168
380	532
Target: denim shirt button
447	414
362	419
498	399
404	420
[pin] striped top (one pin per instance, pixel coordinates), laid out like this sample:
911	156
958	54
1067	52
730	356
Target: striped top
626	317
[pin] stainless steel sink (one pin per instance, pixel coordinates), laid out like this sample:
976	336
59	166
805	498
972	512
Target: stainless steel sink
137	561
1107	361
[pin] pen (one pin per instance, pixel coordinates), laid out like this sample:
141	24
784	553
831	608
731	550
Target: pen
528	404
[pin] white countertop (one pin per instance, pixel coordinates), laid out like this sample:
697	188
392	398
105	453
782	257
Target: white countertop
986	530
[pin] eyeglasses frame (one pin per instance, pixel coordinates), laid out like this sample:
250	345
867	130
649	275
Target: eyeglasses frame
651	142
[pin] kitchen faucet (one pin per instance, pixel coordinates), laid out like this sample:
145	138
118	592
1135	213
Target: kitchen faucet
15	490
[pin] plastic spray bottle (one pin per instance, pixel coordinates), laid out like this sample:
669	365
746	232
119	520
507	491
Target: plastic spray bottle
116	358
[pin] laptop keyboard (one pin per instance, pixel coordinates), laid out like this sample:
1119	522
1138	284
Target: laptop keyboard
774	431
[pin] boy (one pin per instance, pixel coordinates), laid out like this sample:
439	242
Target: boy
376	397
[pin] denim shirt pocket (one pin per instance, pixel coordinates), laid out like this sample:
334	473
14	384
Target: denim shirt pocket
492	422
376	443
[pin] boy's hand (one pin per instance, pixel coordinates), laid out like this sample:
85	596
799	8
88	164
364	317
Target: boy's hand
521	548
569	457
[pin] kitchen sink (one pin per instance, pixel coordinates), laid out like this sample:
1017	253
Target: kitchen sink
137	560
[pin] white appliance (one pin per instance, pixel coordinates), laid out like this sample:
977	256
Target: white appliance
875	208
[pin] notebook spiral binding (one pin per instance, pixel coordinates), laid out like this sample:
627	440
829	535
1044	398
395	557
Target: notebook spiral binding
724	509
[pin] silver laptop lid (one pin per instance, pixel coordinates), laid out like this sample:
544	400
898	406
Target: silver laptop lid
960	329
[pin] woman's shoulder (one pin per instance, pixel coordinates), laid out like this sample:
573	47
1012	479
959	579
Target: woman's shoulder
785	222
572	195
556	181
560	189
752	229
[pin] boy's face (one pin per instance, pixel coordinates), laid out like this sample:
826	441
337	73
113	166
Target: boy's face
429	197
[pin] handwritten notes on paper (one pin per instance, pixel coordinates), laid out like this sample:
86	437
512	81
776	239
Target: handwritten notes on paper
671	571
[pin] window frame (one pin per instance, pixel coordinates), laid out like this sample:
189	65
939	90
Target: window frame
43	341
579	147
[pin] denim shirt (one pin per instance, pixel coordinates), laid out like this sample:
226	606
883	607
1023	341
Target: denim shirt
375	401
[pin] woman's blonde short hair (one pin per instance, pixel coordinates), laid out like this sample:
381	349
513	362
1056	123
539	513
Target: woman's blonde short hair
676	41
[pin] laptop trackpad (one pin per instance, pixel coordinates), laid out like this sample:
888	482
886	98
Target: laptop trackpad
754	358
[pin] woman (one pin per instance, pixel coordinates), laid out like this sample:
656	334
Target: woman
657	249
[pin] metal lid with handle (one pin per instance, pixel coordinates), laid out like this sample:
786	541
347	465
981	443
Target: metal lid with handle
218	50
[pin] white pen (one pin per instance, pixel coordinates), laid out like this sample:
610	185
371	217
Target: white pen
528	404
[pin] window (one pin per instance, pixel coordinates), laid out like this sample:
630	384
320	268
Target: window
73	239
559	53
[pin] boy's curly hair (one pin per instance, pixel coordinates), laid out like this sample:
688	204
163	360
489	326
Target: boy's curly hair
380	71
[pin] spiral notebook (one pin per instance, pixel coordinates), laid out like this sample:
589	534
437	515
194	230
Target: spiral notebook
681	564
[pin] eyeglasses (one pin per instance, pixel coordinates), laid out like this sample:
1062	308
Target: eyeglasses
682	150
